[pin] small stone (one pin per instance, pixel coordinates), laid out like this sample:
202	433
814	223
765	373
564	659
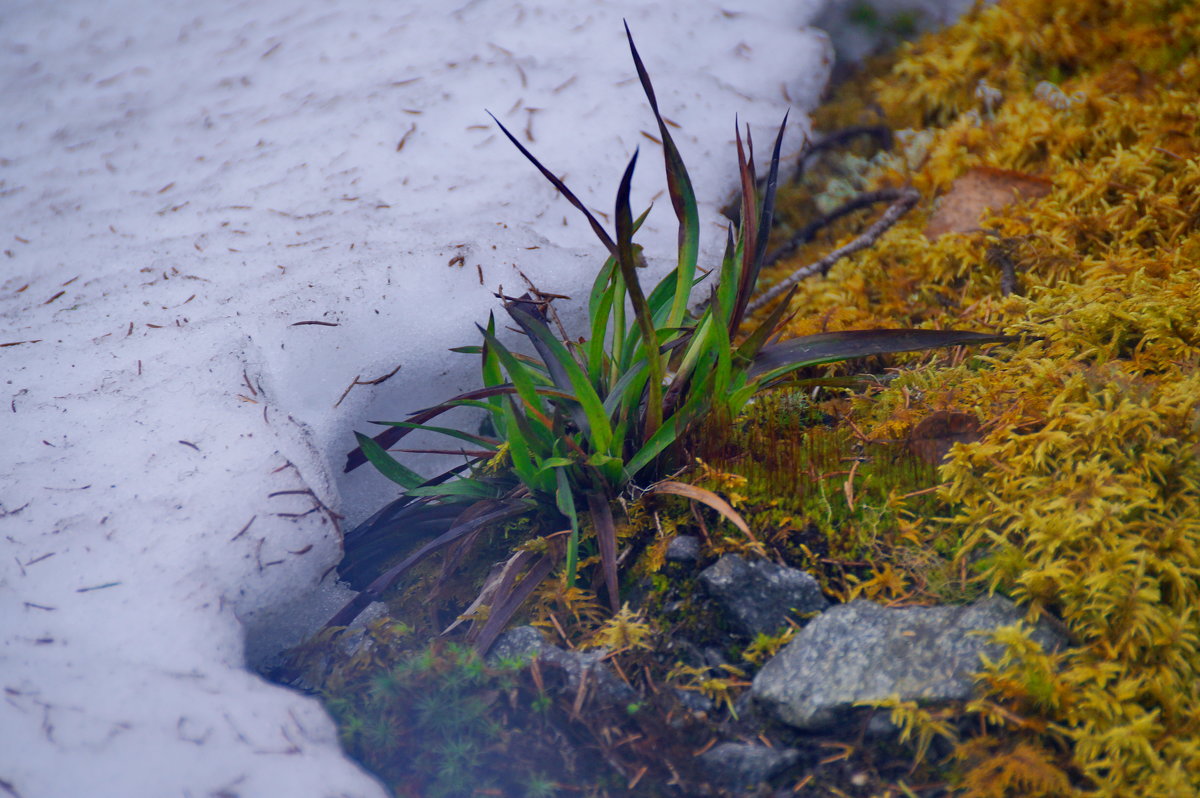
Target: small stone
758	596
864	652
744	766
525	642
693	701
683	549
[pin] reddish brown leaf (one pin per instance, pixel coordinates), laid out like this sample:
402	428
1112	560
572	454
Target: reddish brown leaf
979	190
932	438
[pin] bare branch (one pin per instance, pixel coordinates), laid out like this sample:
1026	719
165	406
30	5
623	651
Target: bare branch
905	199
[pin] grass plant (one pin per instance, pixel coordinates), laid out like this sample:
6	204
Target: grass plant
584	419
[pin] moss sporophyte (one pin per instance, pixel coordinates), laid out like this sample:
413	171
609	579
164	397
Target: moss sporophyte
586	418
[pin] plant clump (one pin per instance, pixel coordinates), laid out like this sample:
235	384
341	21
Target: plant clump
588	419
1062	470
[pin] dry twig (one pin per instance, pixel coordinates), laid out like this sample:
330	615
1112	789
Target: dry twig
902	201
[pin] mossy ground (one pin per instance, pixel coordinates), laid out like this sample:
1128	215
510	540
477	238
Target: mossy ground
1080	497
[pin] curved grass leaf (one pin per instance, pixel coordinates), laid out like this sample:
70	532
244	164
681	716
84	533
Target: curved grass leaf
558	184
758	339
370	545
478	440
563	367
606	539
518	373
683	199
809	350
465	488
497	587
388	578
389	437
499	616
747	232
627	389
597	357
625	259
671	429
704	497
564	497
386	464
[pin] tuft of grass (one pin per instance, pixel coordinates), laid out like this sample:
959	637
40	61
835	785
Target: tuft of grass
585	418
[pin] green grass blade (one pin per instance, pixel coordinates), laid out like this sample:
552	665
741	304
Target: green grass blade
465	488
671	429
588	400
619	331
389	437
489	363
518	372
625	259
565	499
720	344
519	451
697	344
600	285
728	283
478	440
597	356
627	390
558	363
387	465
683	199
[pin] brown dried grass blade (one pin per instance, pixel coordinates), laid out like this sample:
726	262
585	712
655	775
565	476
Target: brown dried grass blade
500	615
705	497
606	536
498	583
384	581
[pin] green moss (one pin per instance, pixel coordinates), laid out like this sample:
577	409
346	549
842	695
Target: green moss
1079	500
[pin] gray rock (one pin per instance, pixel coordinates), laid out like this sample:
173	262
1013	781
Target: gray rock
743	766
526	642
683	549
693	701
864	652
758	596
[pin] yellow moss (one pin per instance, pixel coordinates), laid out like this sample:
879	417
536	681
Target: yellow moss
625	630
1081	500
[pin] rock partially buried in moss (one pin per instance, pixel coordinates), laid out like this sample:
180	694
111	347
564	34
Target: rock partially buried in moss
757	596
864	652
526	642
684	549
744	766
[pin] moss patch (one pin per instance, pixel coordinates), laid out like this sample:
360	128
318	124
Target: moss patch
1081	498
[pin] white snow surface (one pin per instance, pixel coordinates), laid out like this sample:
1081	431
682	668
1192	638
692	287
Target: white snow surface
181	183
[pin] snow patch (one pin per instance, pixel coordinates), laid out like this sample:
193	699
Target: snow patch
183	186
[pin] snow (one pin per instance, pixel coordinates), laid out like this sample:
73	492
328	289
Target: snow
182	183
